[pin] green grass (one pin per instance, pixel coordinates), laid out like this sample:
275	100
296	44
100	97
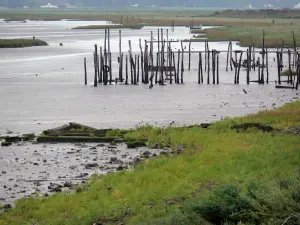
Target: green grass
21	43
287	72
273	34
212	157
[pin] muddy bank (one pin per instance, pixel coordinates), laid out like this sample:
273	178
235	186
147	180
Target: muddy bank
30	168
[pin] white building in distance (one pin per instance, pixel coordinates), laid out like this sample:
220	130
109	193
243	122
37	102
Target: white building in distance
49	6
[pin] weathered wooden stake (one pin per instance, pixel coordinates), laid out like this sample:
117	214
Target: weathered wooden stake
239	69
174	65
182	66
190	55
110	69
217	67
213	55
290	68
85	72
95	67
208	67
248	65
120	58
101	66
199	69
126	68
205	56
278	67
134	69
267	65
138	69
258	65
178	63
263	60
157	66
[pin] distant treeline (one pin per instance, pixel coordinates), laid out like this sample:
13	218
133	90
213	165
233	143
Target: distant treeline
259	13
143	3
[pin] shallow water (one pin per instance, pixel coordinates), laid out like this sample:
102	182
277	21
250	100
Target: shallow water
42	87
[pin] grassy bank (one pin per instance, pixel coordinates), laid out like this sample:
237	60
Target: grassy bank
214	156
273	34
21	43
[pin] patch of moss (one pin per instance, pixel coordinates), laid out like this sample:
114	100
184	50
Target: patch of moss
136	144
6	144
74	139
287	72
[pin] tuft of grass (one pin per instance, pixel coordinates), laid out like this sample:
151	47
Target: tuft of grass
287	72
212	157
21	43
90	138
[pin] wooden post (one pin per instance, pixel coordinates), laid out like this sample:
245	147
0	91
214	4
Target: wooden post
142	69
189	55
213	55
259	78
278	67
120	58
281	56
182	67
110	69
168	59
263	60
138	69
95	60
146	63
248	65
142	60
101	66
169	67
217	67
105	37
151	43
162	61
208	67
290	68
295	51
174	65
178	63
131	69
157	66
239	69
158	44
267	65
199	69
98	66
205	56
85	72
182	56
227	61
105	72
126	67
230	56
254	62
134	69
95	67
